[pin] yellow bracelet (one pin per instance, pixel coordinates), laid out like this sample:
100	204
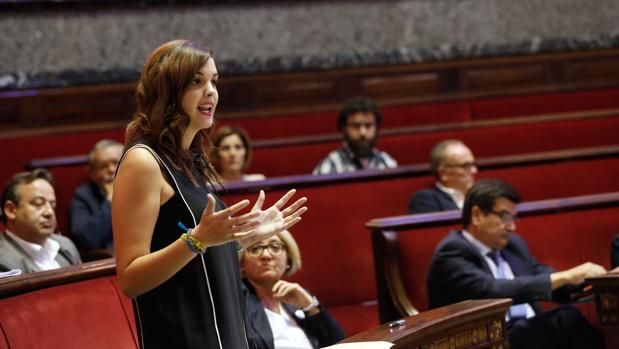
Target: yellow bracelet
194	244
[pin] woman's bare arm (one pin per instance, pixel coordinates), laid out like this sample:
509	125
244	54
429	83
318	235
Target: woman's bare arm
139	190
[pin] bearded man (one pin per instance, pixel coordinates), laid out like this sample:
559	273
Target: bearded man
359	122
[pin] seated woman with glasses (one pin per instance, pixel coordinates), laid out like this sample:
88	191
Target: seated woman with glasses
281	314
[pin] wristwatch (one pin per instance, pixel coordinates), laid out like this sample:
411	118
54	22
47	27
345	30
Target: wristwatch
312	305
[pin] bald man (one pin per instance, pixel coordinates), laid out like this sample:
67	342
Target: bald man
453	166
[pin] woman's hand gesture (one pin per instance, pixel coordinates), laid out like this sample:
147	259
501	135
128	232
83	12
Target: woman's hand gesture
271	221
291	293
217	228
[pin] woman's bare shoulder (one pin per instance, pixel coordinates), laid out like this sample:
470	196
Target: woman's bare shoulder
139	161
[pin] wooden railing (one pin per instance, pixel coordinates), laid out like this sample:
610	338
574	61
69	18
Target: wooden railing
468	324
34	281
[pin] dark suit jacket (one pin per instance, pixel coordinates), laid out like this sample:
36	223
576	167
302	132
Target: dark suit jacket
614	252
91	218
321	329
459	272
12	256
431	200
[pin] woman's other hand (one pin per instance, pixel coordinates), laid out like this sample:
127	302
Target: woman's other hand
292	293
273	220
217	228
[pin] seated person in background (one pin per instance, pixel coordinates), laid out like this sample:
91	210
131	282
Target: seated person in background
488	260
232	154
280	314
28	213
359	122
453	165
91	219
614	253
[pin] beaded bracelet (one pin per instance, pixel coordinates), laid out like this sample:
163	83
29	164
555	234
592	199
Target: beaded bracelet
194	244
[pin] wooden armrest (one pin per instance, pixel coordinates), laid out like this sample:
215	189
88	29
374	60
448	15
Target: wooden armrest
478	323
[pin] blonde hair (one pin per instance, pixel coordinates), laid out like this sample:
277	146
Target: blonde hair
293	254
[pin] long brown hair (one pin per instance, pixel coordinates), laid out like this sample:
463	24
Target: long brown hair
226	131
159	116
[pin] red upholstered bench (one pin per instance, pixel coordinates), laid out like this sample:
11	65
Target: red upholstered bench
54	143
407	148
395	116
561	233
412	145
514	106
335	248
74	307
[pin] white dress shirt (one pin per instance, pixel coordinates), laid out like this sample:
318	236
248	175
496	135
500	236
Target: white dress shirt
44	256
507	270
455	195
286	332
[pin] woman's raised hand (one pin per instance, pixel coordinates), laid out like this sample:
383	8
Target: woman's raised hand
291	293
217	228
273	220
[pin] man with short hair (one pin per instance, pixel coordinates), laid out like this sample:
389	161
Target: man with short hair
359	122
453	166
91	206
488	260
28	243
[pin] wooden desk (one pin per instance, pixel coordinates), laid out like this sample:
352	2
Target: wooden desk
606	289
465	325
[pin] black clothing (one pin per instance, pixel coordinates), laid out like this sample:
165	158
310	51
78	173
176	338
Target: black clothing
614	252
459	272
91	218
321	329
202	305
431	200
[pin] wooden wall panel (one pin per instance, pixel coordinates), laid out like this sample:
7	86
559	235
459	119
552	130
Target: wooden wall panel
513	76
600	71
325	90
294	93
401	86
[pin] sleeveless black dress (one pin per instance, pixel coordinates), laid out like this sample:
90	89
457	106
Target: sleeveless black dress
202	305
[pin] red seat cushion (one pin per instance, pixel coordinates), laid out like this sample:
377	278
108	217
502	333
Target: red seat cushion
85	314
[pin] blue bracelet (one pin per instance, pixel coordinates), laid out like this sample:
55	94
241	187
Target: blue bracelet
190	241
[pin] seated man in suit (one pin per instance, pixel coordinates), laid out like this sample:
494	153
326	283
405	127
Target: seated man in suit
359	122
488	260
91	206
29	243
453	165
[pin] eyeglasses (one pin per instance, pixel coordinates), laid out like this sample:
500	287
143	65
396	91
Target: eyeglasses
506	217
467	166
275	249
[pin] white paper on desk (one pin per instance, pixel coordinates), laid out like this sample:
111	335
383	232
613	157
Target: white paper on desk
12	272
361	345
